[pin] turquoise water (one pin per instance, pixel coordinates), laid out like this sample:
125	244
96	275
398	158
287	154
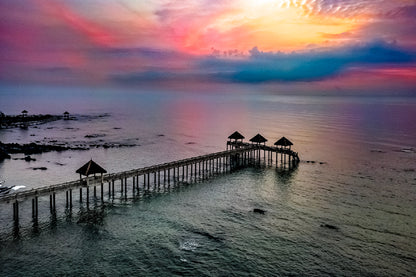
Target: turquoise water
362	181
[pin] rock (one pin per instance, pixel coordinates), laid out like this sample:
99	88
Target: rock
208	235
3	154
127	145
377	151
259	211
329	226
29	158
95	136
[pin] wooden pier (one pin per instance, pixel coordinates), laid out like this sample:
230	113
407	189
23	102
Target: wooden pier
117	185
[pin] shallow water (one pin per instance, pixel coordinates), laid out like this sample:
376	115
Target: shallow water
363	182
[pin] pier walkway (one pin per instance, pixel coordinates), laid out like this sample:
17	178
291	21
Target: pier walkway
238	155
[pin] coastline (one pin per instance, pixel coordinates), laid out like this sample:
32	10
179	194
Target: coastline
20	121
47	145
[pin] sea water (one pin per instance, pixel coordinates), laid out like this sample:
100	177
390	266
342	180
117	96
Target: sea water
357	174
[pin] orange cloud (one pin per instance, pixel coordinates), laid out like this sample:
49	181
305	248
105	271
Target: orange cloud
243	24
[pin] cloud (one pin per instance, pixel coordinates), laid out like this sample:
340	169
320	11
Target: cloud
260	67
348	8
309	66
344	35
150	41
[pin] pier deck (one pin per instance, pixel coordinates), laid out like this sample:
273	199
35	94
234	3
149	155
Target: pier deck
237	155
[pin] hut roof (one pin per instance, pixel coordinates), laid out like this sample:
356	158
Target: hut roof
24	111
66	112
283	142
258	138
90	168
236	135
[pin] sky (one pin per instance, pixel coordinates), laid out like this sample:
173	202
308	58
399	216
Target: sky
360	44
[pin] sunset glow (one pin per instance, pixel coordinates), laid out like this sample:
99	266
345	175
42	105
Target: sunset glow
96	41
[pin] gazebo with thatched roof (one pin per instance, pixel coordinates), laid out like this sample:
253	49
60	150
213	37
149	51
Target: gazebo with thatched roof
258	139
234	139
90	168
283	142
236	136
66	115
24	113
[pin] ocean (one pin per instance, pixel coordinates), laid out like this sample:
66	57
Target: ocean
357	173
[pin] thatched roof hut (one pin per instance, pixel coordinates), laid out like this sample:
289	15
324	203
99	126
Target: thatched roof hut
89	168
284	142
24	113
236	136
258	139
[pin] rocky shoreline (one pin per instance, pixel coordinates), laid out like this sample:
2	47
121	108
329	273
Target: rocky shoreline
34	148
19	121
50	145
31	148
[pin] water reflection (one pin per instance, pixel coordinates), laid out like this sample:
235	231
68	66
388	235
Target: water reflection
92	216
285	175
16	230
35	227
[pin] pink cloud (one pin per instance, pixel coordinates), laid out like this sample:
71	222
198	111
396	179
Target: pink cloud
91	30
